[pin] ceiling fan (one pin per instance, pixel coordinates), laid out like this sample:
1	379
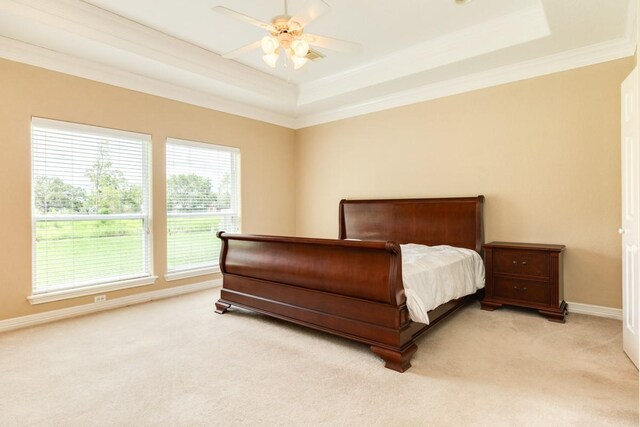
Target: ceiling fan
286	33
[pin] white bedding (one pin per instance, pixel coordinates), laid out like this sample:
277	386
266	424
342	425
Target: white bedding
433	275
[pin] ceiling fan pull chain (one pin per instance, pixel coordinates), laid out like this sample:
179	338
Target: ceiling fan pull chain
286	8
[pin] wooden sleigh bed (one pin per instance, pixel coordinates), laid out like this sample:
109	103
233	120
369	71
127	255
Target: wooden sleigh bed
346	287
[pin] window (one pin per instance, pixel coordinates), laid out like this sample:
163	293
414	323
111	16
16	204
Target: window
90	210
202	198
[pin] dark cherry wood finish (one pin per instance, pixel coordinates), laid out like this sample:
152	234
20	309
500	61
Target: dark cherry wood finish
350	288
526	275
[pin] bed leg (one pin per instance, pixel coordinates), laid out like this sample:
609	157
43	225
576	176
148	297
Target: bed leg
397	360
222	307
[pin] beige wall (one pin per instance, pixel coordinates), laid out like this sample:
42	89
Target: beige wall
545	152
267	152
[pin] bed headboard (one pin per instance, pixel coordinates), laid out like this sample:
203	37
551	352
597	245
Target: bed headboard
455	221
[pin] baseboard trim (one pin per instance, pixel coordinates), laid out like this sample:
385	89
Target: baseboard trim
595	310
65	313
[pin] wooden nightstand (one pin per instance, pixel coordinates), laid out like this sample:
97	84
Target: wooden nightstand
525	275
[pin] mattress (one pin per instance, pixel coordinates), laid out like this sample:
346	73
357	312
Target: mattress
434	275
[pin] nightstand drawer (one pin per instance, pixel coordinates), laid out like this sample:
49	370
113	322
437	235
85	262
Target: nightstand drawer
534	264
523	290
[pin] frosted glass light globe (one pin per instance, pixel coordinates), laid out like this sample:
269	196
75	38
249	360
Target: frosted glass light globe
300	47
271	59
298	61
269	44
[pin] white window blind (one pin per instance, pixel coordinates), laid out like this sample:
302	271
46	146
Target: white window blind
203	197
90	194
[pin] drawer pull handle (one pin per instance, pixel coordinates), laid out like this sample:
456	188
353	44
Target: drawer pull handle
515	287
524	289
515	262
524	262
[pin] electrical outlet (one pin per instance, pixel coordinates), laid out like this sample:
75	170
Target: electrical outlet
100	298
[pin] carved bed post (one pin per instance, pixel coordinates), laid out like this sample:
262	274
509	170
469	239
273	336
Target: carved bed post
222	307
397	359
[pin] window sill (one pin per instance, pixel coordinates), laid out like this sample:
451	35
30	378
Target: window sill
90	290
184	274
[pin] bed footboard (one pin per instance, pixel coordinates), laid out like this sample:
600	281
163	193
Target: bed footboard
348	288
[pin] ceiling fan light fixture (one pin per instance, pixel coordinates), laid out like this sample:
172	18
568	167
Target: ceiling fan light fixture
298	61
269	44
286	33
271	59
300	47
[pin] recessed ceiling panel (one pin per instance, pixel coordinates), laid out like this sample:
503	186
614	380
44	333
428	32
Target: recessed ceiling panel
381	26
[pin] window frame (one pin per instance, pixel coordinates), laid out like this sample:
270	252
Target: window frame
91	287
236	204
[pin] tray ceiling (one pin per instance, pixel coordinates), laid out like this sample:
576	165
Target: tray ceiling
411	51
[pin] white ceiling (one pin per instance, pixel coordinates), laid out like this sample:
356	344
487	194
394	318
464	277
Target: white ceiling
412	50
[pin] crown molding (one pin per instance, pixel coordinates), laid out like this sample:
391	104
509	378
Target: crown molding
41	57
581	57
508	30
34	55
631	29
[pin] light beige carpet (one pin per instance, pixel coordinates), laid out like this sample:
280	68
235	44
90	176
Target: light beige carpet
176	363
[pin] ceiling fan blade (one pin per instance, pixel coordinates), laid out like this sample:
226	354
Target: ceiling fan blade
245	18
241	51
333	44
313	9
